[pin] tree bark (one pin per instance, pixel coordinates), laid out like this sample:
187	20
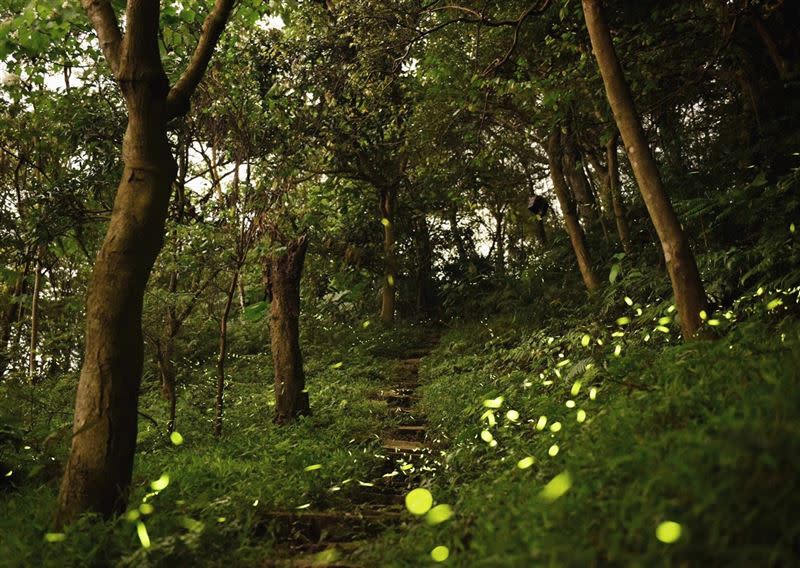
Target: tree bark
425	293
242	301
623	230
37	288
577	180
286	269
166	368
223	354
573	226
458	238
166	353
388	291
100	464
690	296
499	244
539	229
612	180
11	315
603	185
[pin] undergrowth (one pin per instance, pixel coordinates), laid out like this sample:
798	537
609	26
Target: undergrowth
211	511
644	429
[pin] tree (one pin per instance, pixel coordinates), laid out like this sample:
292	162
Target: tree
573	226
285	270
100	465
690	298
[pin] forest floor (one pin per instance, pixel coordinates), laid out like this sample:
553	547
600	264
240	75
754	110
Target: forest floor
555	436
333	537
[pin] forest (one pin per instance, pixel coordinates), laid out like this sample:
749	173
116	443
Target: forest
361	283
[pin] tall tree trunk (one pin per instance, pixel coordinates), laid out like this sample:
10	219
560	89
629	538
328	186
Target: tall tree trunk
98	473
782	65
539	229
11	316
574	229
458	238
166	353
286	269
223	353
610	194
499	243
165	346
615	189
37	288
603	185
425	293
388	291
598	210
573	171
242	301
166	368
690	296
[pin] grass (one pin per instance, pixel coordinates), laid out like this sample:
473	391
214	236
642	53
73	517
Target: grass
703	434
651	430
211	513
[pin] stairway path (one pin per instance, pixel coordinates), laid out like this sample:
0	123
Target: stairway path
332	538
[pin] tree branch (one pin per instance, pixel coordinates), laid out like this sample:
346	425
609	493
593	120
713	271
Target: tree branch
537	8
181	92
187	310
104	20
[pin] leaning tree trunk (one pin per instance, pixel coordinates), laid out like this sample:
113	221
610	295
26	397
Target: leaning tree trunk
576	178
690	296
10	316
223	353
425	293
573	226
616	196
98	473
169	376
37	289
458	239
286	269
388	290
100	465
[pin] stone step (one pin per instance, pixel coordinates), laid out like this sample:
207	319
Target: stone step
414	432
398	392
381	495
319	555
306	527
404	446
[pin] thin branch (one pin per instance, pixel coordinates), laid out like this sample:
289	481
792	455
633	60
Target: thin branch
187	310
524	16
481	20
182	90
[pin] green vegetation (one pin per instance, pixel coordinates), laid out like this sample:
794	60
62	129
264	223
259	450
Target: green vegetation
406	283
703	434
211	510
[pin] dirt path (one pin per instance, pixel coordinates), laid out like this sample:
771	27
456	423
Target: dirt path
332	538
